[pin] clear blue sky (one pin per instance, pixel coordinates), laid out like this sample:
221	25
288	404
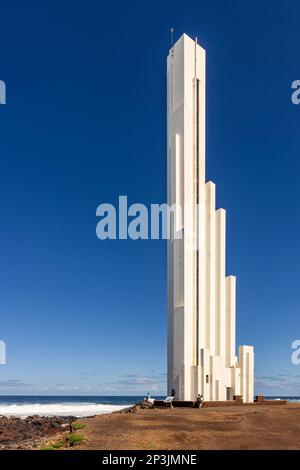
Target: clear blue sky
84	122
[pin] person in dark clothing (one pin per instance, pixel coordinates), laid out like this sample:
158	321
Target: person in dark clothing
173	392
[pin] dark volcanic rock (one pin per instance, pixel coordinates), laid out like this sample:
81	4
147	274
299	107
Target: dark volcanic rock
17	433
133	409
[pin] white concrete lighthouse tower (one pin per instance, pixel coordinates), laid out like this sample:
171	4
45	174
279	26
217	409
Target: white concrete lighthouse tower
201	322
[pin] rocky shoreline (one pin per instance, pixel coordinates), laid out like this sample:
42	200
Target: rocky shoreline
31	432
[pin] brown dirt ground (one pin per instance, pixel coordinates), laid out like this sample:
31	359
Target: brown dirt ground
236	427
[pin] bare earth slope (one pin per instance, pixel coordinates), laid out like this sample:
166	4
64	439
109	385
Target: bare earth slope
238	427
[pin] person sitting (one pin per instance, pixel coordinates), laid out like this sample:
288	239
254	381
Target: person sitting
199	400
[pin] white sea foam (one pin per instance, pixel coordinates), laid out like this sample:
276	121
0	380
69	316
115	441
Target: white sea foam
58	409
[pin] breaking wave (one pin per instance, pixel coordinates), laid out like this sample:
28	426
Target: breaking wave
79	410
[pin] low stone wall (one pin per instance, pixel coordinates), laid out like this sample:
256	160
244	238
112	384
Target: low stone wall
217	404
193	404
260	400
271	402
214	404
176	403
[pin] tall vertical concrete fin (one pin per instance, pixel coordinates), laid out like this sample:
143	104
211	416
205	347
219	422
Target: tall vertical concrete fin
189	212
182	68
200	200
201	299
210	263
220	281
170	323
246	363
230	321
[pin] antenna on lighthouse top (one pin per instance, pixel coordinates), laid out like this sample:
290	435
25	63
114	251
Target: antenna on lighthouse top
172	36
195	62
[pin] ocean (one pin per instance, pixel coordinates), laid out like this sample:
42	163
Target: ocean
79	406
